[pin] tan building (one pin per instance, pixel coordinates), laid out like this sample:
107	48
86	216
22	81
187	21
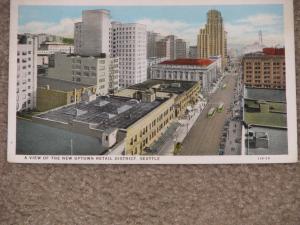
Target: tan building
265	69
212	39
53	93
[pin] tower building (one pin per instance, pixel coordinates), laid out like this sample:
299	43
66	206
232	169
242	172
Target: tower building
212	39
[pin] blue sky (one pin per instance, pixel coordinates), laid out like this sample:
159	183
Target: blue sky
241	21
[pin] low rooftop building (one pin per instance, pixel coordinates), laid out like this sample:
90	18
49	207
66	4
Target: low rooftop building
186	92
116	123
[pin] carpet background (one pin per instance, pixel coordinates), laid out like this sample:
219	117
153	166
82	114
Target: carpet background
144	194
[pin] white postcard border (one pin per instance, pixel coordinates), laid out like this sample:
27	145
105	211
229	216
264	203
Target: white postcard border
107	159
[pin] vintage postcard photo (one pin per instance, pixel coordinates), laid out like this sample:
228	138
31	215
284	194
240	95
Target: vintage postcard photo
152	82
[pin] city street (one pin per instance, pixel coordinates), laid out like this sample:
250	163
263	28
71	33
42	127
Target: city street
204	137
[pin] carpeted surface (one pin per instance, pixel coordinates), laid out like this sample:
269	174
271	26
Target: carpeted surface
143	194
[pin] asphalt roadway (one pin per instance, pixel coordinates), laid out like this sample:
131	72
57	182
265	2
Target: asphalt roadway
204	137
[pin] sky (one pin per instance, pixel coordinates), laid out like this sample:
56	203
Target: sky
242	22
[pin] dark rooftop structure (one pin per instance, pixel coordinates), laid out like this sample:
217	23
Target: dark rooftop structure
59	85
104	112
266	94
169	86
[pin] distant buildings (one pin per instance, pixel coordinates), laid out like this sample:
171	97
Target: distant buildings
171	48
100	71
212	39
201	70
42	38
152	38
26	72
49	48
128	42
265	69
182	49
193	52
256	46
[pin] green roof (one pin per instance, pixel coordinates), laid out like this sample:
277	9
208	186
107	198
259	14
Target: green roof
274	116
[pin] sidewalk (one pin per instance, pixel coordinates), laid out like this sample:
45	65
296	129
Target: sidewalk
177	131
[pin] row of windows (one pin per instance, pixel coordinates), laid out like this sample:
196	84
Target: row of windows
24	52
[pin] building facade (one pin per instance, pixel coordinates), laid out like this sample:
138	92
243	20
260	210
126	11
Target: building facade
128	42
99	71
201	70
265	69
181	49
171	48
163	49
43	38
26	72
193	52
152	38
212	39
91	36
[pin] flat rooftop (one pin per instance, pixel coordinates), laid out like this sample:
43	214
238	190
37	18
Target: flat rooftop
278	142
103	113
273	116
274	95
169	86
59	85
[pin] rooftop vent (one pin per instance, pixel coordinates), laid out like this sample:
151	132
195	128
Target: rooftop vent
123	108
102	103
75	112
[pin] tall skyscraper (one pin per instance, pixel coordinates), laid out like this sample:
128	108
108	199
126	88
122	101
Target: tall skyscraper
128	42
92	34
26	72
212	39
96	35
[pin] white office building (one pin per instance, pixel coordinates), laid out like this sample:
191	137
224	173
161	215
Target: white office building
100	70
201	70
128	42
26	72
91	36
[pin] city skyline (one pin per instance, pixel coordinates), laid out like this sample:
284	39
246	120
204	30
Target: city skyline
242	26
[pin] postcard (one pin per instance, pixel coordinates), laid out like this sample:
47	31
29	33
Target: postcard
152	82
